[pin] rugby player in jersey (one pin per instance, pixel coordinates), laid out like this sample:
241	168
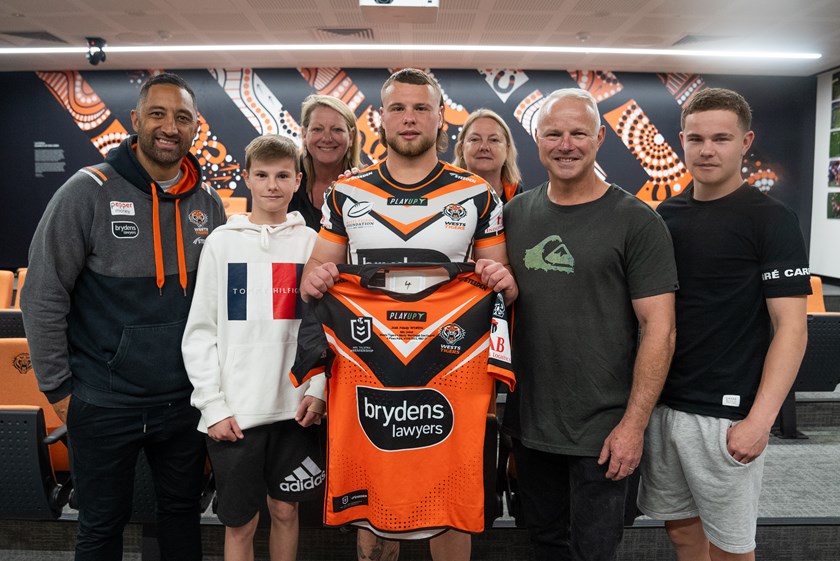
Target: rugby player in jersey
411	207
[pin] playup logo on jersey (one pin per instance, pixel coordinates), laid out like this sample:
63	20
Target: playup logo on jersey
404	419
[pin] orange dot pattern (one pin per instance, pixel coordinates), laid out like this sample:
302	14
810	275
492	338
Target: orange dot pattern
527	110
668	175
757	173
334	82
682	86
368	126
601	84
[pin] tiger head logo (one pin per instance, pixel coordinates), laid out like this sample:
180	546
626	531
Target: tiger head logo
22	363
198	218
455	211
452	333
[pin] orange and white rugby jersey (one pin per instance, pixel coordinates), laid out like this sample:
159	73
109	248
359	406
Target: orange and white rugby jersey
410	379
384	221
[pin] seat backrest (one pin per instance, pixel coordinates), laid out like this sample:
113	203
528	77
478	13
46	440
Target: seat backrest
11	324
235	205
816	303
21	278
21	388
7	287
27	480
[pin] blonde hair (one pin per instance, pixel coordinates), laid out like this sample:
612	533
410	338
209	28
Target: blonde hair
352	157
510	169
270	147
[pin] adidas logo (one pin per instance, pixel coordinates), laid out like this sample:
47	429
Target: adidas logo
305	477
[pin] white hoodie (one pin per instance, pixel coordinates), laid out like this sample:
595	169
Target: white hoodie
241	334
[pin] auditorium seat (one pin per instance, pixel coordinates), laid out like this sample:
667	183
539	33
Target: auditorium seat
21	388
235	205
7	287
816	303
21	278
29	486
11	324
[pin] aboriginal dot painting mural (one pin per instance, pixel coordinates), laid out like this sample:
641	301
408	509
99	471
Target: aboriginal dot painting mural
58	122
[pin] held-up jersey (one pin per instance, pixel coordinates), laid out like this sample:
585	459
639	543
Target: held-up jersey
411	377
384	221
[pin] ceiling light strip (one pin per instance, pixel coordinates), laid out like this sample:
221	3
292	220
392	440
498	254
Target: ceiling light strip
778	55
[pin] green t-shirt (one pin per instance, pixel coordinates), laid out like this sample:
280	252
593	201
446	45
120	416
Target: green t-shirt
574	330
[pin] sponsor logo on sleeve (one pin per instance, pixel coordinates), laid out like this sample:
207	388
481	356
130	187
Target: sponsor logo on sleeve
404	419
792	272
124	230
119	208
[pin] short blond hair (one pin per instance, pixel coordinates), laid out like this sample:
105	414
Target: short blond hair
271	147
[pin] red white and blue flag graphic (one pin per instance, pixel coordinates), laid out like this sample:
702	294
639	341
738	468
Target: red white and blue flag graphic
264	291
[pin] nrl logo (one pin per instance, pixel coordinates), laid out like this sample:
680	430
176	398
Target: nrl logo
360	329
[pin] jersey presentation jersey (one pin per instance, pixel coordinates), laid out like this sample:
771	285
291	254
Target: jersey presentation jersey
411	377
384	221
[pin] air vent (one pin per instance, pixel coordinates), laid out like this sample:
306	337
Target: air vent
356	34
697	39
41	36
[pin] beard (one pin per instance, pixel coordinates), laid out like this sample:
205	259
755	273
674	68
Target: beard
409	149
146	143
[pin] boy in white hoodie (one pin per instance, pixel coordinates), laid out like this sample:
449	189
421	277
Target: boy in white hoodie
238	347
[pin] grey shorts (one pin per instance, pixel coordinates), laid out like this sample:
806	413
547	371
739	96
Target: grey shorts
283	460
688	472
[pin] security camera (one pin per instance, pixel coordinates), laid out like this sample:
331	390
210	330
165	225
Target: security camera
96	52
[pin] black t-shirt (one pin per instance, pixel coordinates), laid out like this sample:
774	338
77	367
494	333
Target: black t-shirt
579	267
301	203
732	253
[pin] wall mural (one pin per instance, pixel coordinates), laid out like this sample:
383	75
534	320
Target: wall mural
641	111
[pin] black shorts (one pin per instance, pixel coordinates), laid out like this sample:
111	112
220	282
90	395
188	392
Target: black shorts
282	460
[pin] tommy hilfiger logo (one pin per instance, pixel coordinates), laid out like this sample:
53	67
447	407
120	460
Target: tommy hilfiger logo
305	477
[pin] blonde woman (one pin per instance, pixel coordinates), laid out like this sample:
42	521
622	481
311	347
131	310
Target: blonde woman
485	147
331	146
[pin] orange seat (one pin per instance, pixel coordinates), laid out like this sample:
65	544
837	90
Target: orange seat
21	278
21	388
7	287
235	205
815	302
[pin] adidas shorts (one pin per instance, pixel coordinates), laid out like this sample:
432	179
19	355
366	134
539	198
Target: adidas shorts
687	471
282	460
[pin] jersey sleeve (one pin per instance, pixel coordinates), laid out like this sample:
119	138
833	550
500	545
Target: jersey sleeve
784	259
332	223
312	348
490	229
499	360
